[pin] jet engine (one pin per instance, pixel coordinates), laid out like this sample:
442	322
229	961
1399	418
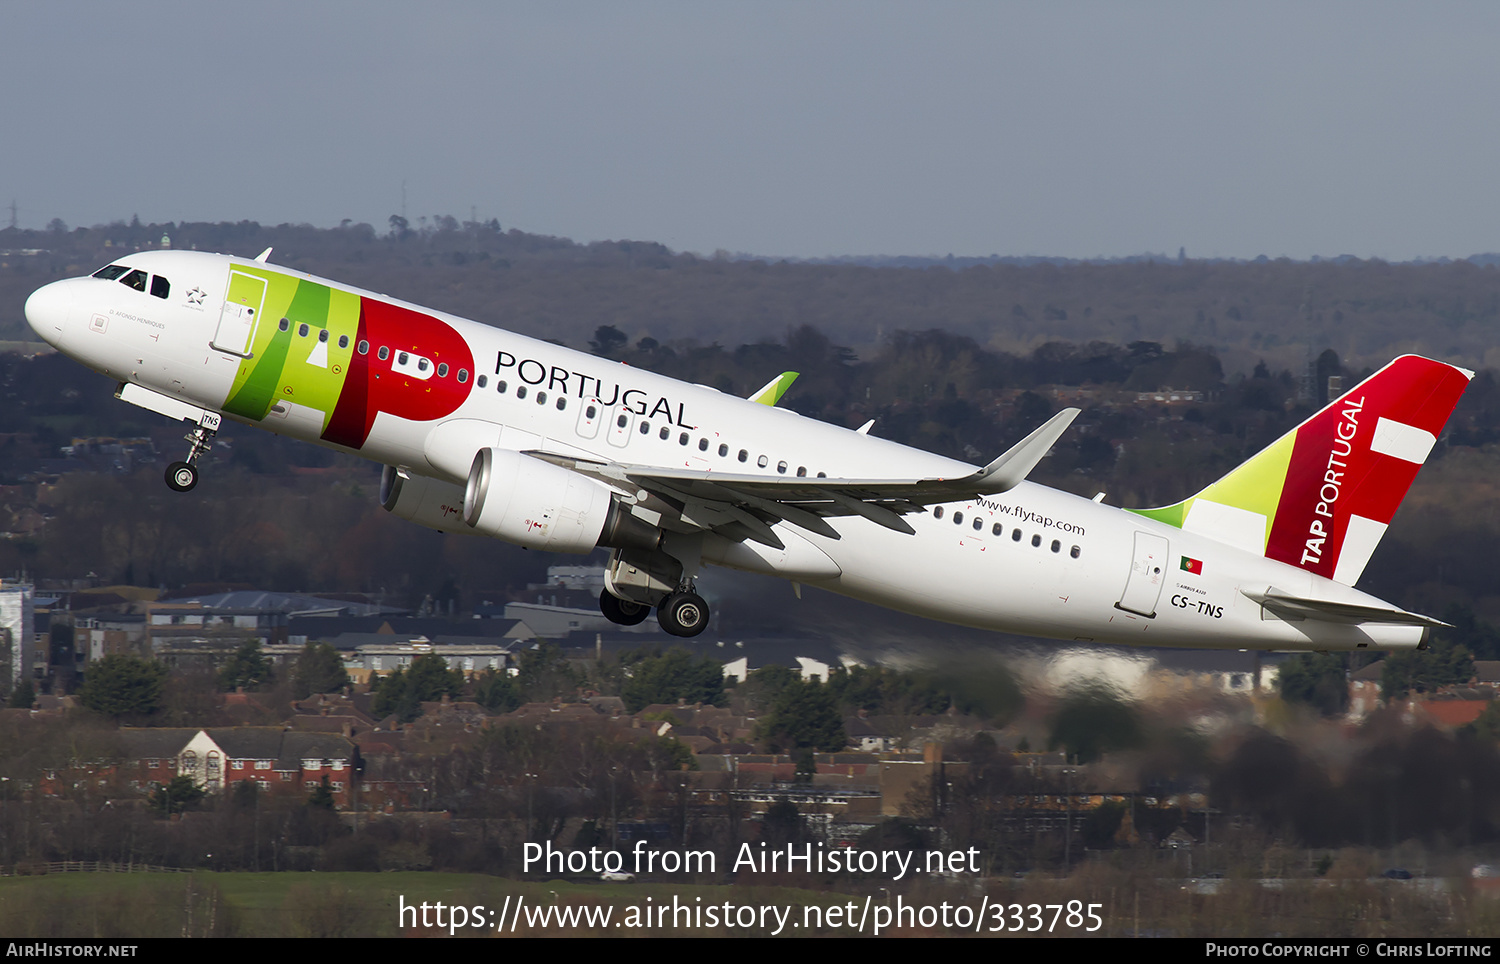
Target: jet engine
537	504
416	498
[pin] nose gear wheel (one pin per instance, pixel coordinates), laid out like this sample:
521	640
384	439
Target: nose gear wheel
182	476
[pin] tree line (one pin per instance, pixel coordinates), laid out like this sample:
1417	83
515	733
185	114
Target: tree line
553	287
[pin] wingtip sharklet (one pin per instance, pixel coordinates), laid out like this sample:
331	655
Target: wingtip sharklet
1012	468
770	393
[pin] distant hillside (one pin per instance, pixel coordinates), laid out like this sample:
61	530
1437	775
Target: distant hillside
1280	310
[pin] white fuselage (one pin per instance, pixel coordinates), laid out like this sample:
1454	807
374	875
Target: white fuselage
1039	561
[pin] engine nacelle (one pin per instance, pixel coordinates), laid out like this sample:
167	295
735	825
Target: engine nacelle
533	503
429	502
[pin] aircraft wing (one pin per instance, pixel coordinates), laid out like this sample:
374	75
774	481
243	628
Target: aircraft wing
745	506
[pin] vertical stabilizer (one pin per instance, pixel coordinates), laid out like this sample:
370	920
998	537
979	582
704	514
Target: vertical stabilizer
1321	496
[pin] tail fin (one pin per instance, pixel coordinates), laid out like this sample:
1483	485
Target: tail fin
1321	496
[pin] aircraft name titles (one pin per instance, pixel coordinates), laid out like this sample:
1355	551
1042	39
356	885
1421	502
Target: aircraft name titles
1317	532
129	317
534	372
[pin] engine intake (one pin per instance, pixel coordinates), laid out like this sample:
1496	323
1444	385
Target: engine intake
416	498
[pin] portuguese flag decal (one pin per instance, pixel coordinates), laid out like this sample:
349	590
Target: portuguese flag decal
1194	566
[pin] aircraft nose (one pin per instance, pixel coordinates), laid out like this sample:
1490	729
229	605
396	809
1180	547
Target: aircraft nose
47	311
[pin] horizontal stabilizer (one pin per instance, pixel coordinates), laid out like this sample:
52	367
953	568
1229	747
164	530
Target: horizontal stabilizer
1298	607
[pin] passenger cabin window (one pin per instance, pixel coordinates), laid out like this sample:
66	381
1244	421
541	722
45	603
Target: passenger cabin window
302	330
323	335
284	324
160	287
414	365
364	347
443	370
937	512
343	341
383	353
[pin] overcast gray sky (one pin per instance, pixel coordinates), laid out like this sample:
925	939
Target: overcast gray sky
795	129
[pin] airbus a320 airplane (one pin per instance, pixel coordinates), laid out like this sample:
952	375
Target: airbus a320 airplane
484	431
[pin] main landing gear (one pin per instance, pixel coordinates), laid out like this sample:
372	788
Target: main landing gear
623	612
682	613
182	476
637	579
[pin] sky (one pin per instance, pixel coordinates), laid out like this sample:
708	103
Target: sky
801	129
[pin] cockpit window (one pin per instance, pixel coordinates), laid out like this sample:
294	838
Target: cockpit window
136	279
111	271
160	287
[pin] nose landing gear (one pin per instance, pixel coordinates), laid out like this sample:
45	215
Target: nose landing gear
182	476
